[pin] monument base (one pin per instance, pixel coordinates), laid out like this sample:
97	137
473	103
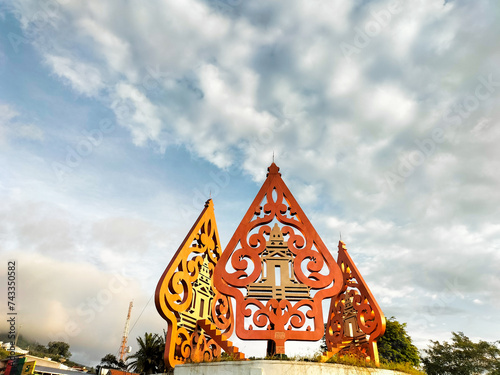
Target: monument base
263	367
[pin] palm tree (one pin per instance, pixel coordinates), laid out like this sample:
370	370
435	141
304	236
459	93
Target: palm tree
110	361
149	358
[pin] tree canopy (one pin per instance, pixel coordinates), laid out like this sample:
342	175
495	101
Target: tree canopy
59	348
462	357
396	345
110	361
149	358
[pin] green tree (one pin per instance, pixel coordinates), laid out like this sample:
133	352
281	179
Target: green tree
462	357
110	361
4	353
396	345
59	348
37	347
149	358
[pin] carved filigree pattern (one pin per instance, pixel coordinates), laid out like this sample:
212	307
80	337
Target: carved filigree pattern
241	265
355	320
186	294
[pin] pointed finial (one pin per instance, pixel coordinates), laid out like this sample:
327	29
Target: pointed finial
210	195
273	156
273	169
342	246
340	235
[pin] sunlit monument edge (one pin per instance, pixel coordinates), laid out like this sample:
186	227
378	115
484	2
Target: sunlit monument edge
268	284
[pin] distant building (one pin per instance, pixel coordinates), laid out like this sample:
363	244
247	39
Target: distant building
112	371
46	362
42	366
6	346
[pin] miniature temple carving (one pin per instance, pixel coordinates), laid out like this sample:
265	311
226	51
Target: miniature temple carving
203	295
278	277
350	321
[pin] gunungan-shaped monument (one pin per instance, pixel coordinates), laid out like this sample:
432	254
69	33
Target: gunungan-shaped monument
268	284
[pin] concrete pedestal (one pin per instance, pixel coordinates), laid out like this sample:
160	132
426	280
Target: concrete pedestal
262	367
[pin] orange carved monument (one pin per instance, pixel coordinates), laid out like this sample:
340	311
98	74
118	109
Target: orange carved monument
199	317
278	286
268	284
355	320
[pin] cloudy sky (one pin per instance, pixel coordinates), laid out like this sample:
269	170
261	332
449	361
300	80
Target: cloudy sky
119	119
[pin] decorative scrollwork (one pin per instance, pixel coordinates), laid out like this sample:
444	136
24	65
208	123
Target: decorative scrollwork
246	270
355	319
279	271
185	294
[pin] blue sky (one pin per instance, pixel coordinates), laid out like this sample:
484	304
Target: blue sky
118	119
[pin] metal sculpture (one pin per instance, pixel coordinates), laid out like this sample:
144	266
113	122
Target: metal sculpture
198	316
278	285
355	321
279	271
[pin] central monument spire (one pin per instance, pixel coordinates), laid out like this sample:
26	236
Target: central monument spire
278	284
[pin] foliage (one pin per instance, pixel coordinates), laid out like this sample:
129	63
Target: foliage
396	345
350	361
354	361
110	361
149	358
21	340
37	347
59	348
39	350
462	357
4	353
403	367
225	357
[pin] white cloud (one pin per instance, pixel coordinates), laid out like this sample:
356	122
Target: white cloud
7	114
233	88
389	105
11	127
63	300
136	112
81	77
114	50
346	79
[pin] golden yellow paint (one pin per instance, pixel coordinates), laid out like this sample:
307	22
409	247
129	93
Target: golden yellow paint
185	294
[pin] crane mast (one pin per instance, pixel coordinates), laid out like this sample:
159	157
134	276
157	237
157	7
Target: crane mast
123	347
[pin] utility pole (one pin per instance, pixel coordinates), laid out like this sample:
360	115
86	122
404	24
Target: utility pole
123	347
17	335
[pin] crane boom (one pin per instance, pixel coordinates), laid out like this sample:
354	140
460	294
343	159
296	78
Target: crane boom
123	347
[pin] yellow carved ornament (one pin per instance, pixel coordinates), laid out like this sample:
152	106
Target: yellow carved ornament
185	295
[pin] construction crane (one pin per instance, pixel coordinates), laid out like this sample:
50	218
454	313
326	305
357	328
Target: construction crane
124	348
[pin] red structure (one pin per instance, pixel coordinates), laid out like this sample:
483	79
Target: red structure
198	316
278	284
268	284
123	347
355	321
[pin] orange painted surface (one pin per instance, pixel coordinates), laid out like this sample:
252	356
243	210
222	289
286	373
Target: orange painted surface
186	294
244	273
369	318
278	270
